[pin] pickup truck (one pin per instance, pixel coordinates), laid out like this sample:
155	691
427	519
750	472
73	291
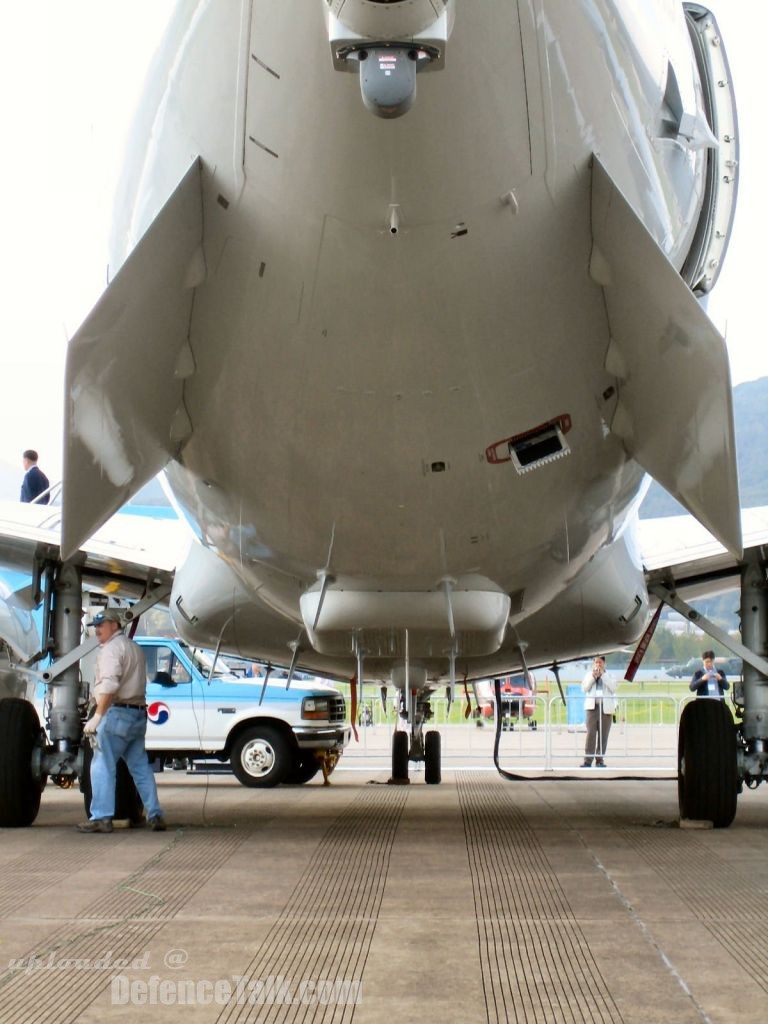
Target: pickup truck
286	738
196	709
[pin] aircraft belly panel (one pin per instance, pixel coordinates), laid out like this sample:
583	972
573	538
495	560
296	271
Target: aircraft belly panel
344	383
362	426
311	146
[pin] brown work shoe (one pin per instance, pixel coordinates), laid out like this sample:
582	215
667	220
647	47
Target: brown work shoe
157	824
99	825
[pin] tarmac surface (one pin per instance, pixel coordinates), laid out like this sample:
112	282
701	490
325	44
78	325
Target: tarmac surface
474	901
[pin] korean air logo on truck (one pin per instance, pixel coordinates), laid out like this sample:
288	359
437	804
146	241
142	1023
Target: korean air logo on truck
158	712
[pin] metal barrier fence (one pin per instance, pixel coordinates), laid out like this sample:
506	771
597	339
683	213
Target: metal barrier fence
642	737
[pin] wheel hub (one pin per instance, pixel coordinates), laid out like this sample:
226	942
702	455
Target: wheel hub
258	758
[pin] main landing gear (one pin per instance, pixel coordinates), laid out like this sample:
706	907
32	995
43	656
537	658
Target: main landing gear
707	780
21	743
719	752
27	758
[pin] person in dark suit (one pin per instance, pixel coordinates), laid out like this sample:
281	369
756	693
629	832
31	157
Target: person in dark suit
35	481
708	681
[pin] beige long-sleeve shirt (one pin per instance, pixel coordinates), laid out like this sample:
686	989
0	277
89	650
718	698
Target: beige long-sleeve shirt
604	688
121	671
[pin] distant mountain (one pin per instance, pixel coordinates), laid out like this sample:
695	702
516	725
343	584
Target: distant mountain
750	402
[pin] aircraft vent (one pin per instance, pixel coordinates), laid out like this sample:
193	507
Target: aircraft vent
533	448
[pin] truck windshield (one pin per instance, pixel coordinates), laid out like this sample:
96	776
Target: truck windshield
203	662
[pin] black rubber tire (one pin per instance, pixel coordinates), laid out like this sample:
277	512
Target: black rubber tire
305	767
400	748
707	780
261	757
432	750
19	790
128	803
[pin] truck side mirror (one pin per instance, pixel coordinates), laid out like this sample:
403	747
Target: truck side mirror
164	679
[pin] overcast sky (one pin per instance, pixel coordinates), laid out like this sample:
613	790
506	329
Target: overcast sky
71	72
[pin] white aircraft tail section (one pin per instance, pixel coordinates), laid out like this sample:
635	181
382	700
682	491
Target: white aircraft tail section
674	414
126	368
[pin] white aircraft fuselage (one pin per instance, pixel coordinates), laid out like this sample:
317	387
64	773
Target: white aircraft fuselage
379	305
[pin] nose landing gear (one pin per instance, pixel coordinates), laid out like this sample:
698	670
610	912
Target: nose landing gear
419	746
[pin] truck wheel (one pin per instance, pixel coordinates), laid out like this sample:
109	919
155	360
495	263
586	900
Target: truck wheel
128	803
19	789
305	767
261	757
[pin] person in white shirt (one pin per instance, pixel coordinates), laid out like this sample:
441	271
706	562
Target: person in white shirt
119	725
599	704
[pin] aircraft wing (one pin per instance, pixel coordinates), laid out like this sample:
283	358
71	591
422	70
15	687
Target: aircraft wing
680	549
120	558
126	556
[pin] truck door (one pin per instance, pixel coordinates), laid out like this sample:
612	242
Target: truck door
175	704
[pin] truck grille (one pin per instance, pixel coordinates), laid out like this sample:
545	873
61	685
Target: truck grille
337	709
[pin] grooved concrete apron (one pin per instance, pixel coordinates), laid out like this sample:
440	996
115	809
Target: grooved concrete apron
473	901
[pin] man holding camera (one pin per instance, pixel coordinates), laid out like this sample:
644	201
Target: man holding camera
709	681
599	704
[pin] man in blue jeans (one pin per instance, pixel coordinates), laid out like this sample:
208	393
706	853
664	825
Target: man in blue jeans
119	725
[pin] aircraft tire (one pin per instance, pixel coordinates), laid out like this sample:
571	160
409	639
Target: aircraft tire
128	805
20	791
432	750
261	757
400	756
305	767
707	780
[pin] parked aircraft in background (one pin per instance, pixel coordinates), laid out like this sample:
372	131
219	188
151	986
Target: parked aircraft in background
406	301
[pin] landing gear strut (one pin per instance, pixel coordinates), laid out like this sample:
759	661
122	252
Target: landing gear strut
27	759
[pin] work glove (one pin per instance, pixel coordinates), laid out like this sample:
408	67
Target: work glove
90	727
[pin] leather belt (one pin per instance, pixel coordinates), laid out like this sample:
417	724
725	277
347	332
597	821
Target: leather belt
137	707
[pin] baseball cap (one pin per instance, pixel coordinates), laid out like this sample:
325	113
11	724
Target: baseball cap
108	615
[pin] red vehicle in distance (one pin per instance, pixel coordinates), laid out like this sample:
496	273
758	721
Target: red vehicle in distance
518	700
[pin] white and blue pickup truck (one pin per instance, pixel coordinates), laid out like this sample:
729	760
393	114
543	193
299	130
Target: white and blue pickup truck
198	709
287	736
